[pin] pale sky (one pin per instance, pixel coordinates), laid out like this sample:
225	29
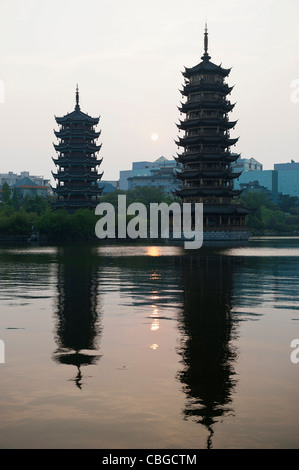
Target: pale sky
127	57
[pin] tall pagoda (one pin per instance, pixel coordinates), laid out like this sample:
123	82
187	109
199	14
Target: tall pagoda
77	176
206	175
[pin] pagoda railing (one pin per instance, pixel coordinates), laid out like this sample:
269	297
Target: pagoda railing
208	133
206	99
208	81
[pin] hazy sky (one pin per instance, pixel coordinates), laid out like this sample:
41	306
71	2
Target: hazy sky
127	57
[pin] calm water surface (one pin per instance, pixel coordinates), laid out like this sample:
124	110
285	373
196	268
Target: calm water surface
140	347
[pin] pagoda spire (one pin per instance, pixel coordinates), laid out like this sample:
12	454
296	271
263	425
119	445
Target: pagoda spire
206	44
77	98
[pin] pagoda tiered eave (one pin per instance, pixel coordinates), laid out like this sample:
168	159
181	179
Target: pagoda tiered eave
61	190
223	106
63	147
64	176
205	191
221	88
86	160
71	133
212	157
196	174
221	123
206	67
215	139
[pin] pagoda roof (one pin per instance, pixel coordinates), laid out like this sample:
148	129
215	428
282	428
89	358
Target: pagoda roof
78	176
223	88
195	157
77	133
85	159
70	203
220	105
226	209
218	192
191	174
24	182
208	67
198	139
84	190
77	115
199	122
76	147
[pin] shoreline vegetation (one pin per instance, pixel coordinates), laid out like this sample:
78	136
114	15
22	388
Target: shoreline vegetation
33	219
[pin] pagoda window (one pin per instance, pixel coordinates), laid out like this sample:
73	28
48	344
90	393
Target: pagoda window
196	79
194	98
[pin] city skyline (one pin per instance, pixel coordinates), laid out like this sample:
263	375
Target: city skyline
127	58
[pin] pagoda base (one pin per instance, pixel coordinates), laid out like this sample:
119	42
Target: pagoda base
226	234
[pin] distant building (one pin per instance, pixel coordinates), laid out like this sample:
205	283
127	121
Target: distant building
25	187
108	186
246	164
288	178
12	178
254	186
162	177
264	178
292	165
160	173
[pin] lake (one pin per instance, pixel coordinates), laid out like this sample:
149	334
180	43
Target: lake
150	347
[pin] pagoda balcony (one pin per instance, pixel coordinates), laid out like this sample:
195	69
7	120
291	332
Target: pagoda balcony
205	99
216	125
88	176
216	122
199	183
73	203
64	190
210	173
77	147
208	133
223	106
222	88
225	157
216	192
205	80
189	141
79	133
74	160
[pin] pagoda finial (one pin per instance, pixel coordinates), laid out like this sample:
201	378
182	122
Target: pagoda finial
77	97
206	43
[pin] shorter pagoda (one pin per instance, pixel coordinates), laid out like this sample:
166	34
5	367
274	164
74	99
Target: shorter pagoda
77	176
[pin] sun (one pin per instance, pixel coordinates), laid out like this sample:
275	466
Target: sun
154	136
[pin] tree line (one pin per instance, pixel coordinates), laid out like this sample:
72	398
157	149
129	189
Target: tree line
22	218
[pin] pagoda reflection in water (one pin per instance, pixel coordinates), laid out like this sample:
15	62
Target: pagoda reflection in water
78	322
207	346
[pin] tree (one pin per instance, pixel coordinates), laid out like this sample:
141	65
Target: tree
5	193
36	204
15	200
287	202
